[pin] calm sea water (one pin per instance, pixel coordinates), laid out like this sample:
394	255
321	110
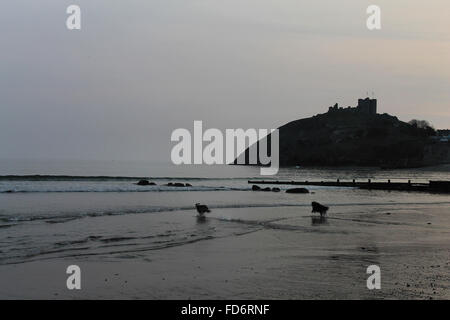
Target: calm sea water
97	210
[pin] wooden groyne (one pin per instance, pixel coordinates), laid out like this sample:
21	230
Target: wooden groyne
432	186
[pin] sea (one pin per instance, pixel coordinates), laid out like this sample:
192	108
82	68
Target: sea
51	209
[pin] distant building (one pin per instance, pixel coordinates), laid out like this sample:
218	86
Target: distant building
443	135
367	106
333	108
443	132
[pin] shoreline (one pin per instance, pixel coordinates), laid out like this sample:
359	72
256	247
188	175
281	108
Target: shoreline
264	264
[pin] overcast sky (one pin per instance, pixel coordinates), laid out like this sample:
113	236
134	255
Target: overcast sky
137	70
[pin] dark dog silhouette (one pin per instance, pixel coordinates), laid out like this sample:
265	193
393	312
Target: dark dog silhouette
317	207
201	209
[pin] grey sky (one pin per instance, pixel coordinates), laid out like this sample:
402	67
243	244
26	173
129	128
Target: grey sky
139	69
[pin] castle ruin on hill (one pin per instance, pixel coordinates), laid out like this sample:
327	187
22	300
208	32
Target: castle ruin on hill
365	106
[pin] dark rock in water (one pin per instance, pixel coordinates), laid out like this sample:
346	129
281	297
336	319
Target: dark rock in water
188	185
256	188
297	190
177	184
267	189
317	207
144	182
276	189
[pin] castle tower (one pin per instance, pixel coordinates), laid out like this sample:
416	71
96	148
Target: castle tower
367	105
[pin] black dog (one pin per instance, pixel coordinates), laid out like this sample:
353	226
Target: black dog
317	207
201	209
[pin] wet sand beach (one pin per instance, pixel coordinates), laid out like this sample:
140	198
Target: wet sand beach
250	253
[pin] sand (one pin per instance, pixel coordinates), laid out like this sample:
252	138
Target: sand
288	259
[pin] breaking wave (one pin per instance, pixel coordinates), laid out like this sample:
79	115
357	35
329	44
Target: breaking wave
38	177
113	188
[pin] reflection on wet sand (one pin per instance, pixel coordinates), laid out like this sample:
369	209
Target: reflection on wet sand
318	220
